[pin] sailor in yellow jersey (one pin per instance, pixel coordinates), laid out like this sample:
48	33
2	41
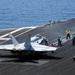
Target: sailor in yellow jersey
68	32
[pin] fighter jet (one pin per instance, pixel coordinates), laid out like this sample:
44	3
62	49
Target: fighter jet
26	47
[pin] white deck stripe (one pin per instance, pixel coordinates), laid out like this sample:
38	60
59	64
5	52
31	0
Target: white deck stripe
2	37
12	32
15	31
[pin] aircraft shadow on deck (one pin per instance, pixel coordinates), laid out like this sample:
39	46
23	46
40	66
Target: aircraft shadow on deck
28	58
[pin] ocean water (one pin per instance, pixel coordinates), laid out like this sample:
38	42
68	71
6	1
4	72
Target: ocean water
23	13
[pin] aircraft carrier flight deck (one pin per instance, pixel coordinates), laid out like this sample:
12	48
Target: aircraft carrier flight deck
58	63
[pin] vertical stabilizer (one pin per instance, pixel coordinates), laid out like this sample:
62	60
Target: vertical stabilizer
28	42
15	42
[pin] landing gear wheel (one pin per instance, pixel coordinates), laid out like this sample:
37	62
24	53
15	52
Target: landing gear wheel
52	51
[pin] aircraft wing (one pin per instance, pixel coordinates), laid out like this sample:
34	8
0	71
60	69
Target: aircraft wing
7	47
38	47
35	47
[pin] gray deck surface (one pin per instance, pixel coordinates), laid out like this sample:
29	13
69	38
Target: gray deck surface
58	63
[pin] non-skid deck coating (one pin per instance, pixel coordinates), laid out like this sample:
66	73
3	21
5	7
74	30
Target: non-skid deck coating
58	63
